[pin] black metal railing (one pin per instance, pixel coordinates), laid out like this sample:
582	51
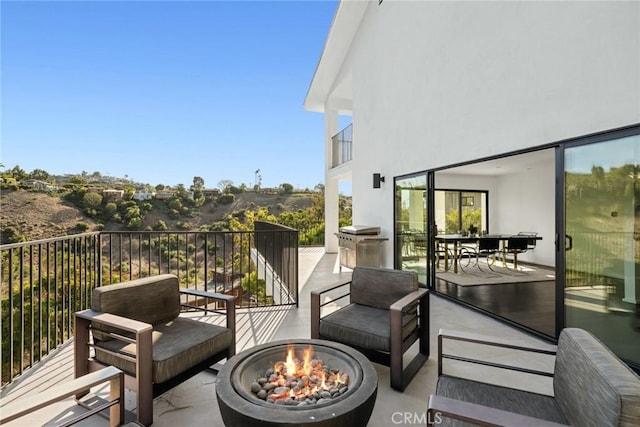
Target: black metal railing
45	282
597	258
341	146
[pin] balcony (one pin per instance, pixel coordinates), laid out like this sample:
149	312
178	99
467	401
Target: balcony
341	146
194	401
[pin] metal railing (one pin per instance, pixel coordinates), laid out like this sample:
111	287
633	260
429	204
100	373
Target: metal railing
44	282
341	146
597	258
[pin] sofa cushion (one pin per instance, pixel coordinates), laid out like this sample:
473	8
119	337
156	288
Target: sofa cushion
154	300
593	387
381	287
177	346
498	397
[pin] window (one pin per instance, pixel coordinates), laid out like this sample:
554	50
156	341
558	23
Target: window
461	211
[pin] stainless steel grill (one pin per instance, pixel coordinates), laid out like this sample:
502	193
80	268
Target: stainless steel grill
360	245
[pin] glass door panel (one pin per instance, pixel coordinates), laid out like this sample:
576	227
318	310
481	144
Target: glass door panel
410	225
602	242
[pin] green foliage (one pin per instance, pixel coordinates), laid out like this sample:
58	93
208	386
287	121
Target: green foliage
469	218
234	190
286	188
160	225
11	235
183	225
226	199
132	212
254	286
174	214
110	208
82	226
175	204
134	223
92	199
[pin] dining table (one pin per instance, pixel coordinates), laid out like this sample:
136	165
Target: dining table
456	242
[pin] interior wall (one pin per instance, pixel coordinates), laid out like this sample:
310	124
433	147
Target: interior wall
527	203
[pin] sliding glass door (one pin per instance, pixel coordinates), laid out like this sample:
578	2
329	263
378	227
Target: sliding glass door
602	242
410	225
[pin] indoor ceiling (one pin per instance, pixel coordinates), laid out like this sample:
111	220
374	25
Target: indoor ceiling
505	165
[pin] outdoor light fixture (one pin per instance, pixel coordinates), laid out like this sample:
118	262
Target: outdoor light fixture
377	179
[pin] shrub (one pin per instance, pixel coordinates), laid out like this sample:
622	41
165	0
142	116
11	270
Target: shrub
160	225
226	199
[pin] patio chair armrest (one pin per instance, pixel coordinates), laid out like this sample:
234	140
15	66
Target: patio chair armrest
230	306
330	287
440	406
409	299
142	341
213	295
316	306
115	321
491	341
469	337
110	374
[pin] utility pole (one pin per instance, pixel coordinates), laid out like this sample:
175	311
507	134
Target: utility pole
258	179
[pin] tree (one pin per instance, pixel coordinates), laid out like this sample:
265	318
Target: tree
224	184
18	173
287	188
198	183
39	174
92	199
78	180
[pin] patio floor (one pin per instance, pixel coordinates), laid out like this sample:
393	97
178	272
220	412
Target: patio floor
194	402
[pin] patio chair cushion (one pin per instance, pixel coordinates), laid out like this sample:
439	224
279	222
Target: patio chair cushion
498	397
379	288
154	300
177	346
592	385
362	326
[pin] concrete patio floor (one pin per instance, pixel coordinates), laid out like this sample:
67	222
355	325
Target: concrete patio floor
194	402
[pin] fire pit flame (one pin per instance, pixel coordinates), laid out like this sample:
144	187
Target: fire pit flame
300	382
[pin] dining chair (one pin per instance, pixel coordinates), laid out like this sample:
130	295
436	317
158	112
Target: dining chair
515	245
488	247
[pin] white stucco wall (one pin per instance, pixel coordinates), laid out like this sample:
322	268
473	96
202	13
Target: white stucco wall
438	83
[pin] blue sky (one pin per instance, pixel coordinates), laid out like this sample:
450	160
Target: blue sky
164	91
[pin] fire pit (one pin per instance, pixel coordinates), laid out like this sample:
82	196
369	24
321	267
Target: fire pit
347	397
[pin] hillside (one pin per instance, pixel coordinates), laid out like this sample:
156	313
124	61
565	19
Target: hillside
38	215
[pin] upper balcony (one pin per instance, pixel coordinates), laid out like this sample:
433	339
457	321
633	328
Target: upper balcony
341	146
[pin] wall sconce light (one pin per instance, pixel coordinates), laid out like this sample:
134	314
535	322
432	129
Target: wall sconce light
377	179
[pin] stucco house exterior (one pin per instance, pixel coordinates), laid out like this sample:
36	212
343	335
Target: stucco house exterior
524	114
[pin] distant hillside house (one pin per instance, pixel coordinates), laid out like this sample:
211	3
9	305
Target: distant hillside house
143	195
112	194
164	194
209	192
267	190
38	185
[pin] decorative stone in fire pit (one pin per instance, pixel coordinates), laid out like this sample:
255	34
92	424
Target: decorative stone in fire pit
297	382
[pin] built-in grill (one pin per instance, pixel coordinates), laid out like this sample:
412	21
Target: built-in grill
360	245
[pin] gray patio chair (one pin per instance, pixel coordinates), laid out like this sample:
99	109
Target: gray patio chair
136	326
591	386
386	315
